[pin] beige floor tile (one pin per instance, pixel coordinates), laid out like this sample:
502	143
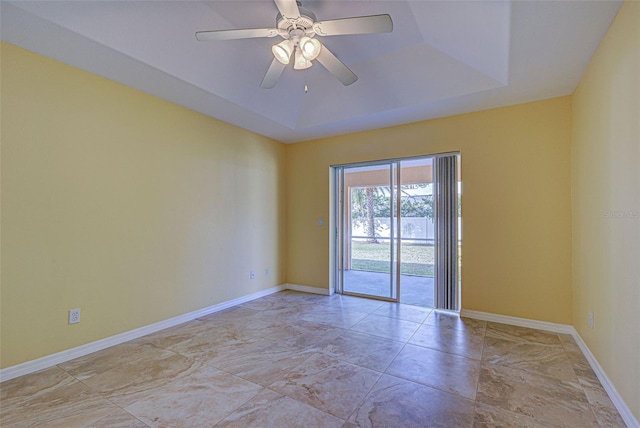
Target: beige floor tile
395	402
298	298
124	384
231	315
69	405
466	343
571	348
547	360
327	384
579	362
365	350
303	333
263	327
170	336
267	303
390	328
117	420
270	409
216	342
450	320
543	398
257	326
583	370
126	354
566	339
267	364
404	312
521	334
356	304
336	317
16	391
446	372
601	405
489	417
290	314
201	397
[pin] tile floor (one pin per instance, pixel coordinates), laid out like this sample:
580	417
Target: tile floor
294	359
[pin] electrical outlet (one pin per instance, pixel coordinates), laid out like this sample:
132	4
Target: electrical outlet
252	275
74	316
591	319
267	272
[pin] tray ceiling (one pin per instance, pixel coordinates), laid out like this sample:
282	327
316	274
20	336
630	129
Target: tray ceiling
442	58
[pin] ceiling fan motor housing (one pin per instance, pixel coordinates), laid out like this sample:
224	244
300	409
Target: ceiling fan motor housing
305	22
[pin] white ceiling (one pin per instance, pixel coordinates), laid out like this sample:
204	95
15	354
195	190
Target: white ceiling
442	58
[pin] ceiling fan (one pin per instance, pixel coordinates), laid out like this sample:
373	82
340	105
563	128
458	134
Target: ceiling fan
298	27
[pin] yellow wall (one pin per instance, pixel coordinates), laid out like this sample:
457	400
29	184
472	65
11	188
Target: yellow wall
515	204
606	204
129	207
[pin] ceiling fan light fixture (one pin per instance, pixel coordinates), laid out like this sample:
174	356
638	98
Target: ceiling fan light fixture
301	63
310	48
282	51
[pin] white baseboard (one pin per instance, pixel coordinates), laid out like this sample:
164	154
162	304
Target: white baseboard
307	289
520	322
615	397
623	409
98	345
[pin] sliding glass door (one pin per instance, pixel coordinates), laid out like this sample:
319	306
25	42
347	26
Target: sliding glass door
397	230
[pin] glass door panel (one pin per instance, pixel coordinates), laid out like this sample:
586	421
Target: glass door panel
368	231
417	232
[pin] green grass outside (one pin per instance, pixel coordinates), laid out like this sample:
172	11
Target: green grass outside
414	259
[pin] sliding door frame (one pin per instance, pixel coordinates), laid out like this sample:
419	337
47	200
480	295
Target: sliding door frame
337	224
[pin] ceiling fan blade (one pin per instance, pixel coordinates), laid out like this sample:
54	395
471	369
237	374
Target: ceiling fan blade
288	9
336	67
273	74
357	25
246	33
